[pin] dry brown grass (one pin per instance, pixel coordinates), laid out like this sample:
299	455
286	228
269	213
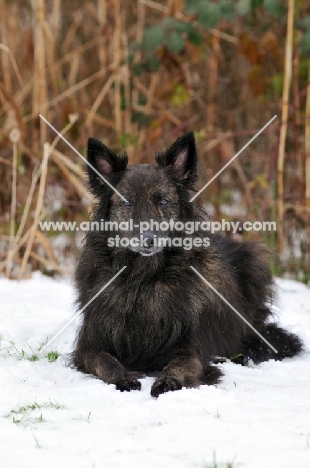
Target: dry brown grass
65	59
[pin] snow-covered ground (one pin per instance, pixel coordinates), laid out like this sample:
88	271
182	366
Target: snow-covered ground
54	416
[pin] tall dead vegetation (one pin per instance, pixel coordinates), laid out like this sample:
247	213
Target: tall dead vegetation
136	75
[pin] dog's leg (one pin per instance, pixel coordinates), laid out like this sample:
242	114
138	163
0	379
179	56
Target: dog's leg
185	370
111	371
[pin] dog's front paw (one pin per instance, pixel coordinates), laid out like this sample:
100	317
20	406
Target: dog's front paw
163	385
127	384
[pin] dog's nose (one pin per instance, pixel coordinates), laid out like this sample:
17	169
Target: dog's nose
149	238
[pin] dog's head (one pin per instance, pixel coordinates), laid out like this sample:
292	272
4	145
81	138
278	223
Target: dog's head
144	193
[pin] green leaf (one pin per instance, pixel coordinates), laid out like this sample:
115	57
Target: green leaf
138	69
33	358
304	22
139	117
182	26
303	69
244	7
153	37
130	57
152	63
123	103
195	37
192	6
134	46
193	34
275	8
227	10
142	100
175	42
209	14
256	3
180	95
170	23
305	43
277	83
126	139
52	356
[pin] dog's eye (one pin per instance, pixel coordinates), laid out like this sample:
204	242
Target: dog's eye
126	203
164	202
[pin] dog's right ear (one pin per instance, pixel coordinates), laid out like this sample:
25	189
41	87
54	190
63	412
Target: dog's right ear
104	162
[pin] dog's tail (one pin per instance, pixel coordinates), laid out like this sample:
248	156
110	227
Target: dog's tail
287	345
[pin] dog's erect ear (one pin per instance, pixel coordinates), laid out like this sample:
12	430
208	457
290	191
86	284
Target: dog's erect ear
180	159
105	161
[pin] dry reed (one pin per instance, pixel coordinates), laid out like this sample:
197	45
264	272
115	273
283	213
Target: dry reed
75	62
284	118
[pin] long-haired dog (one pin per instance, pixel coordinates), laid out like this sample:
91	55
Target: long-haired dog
158	316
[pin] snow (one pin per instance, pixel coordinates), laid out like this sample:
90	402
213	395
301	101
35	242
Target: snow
54	416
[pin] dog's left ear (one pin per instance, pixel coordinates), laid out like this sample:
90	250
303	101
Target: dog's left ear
180	159
103	161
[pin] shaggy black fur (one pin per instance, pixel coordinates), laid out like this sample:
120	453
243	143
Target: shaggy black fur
158	316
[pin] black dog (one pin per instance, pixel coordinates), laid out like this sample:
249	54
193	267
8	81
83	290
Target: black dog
158	315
